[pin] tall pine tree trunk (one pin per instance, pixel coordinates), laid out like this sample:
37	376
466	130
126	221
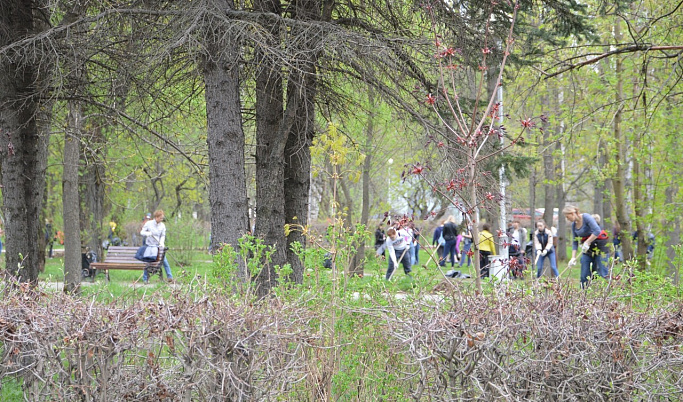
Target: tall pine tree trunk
298	174
23	148
271	138
299	140
225	139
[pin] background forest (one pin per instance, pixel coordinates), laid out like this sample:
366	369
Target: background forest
229	115
277	134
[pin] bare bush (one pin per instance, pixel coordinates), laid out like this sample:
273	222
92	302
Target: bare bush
555	345
560	346
180	349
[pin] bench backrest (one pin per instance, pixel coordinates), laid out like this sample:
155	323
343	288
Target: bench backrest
121	254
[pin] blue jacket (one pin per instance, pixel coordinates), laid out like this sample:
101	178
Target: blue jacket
588	228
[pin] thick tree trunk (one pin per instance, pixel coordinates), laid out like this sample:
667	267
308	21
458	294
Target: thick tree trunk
298	175
271	137
225	139
297	150
23	148
70	200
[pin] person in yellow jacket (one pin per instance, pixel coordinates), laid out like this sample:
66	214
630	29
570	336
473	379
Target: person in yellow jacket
486	248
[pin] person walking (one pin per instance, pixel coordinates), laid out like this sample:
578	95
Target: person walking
438	241
49	237
593	244
450	234
155	230
416	243
545	249
486	248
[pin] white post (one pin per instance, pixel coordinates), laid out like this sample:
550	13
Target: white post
389	163
504	251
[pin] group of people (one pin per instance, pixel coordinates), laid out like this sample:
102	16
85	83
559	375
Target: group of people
454	243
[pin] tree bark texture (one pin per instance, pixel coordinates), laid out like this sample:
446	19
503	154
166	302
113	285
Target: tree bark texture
92	193
303	83
298	173
225	139
271	137
70	200
23	148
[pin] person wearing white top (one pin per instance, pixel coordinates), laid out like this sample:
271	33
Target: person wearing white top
397	246
155	231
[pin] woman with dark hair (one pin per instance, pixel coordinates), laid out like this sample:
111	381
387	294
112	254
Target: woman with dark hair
450	234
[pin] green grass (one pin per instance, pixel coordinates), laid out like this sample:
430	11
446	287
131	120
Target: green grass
128	284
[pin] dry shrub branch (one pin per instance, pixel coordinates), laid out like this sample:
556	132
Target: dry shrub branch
558	345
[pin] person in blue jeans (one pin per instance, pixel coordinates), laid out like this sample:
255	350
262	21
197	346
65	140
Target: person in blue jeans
397	246
416	243
593	244
155	231
450	234
543	243
466	246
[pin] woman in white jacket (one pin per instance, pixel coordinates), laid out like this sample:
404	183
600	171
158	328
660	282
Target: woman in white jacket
155	230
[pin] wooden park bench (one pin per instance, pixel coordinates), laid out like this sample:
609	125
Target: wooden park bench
121	257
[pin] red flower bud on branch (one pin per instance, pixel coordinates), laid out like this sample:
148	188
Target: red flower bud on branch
430	99
528	123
